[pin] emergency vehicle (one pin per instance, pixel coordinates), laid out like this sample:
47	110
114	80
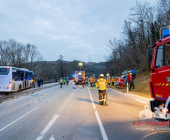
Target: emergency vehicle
78	76
160	73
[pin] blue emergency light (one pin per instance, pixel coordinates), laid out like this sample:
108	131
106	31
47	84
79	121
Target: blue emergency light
166	33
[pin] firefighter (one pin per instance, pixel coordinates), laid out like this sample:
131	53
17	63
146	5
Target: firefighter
64	80
130	73
116	83
90	80
83	82
61	82
108	81
87	81
101	85
93	81
129	76
67	80
122	82
113	80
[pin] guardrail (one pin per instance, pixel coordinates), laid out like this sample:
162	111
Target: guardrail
46	81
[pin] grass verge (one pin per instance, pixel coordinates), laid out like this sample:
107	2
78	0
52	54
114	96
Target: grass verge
141	83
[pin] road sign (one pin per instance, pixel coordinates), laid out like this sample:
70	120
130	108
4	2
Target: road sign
107	74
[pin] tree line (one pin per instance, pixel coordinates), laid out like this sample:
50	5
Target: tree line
140	30
16	54
13	53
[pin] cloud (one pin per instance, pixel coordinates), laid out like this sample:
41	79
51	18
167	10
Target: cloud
73	28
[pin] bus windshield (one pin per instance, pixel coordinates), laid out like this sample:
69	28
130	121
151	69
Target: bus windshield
4	71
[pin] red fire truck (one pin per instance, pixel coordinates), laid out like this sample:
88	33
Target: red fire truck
160	72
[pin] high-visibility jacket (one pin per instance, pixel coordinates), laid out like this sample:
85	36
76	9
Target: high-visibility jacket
119	80
108	80
130	74
61	80
113	80
101	84
86	79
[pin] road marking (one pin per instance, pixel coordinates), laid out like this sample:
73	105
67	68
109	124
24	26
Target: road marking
140	101
118	91
17	119
94	88
52	138
47	127
98	119
132	97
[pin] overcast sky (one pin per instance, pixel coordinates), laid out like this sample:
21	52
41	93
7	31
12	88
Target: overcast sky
72	28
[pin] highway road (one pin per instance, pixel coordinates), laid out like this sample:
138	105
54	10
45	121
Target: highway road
75	114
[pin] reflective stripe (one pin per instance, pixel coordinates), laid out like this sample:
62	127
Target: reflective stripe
104	100
100	100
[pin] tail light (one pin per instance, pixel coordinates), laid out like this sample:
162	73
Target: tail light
9	85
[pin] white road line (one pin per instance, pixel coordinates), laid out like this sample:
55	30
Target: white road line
52	138
47	127
17	119
118	91
132	97
140	101
98	119
92	100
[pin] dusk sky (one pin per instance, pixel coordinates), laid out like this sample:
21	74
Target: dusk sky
72	28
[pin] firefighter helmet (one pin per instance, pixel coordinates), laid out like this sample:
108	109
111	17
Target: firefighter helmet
101	75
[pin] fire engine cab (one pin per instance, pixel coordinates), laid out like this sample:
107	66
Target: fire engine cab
160	73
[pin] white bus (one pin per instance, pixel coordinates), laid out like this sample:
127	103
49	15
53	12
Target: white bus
15	79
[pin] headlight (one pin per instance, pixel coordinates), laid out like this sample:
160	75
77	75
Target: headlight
164	110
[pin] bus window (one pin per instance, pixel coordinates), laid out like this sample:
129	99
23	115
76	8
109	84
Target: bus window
20	75
15	76
167	54
31	76
4	71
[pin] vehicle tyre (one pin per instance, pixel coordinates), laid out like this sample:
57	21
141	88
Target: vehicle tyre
19	88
